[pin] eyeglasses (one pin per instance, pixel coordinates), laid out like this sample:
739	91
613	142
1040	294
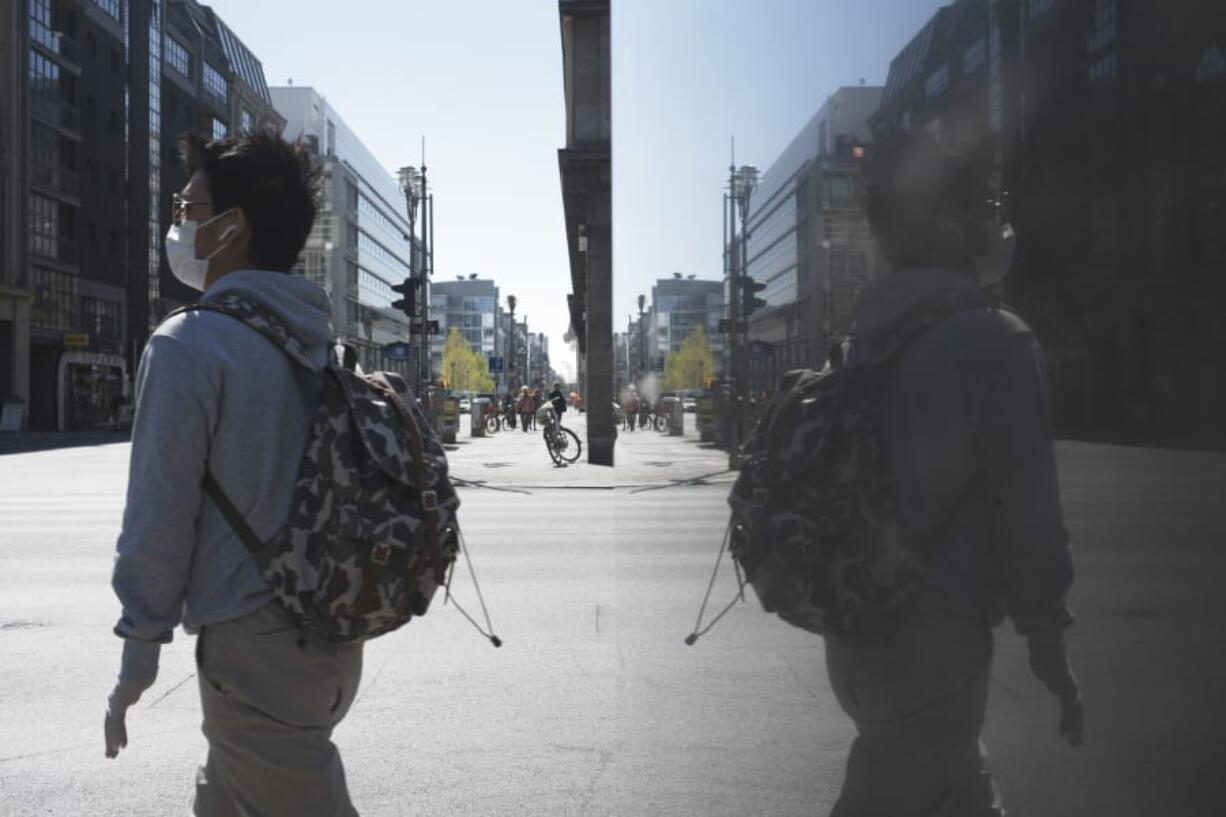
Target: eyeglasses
179	206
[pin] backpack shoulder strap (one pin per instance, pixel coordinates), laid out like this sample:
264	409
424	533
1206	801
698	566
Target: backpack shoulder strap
259	318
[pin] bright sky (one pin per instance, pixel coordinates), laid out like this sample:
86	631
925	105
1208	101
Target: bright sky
482	81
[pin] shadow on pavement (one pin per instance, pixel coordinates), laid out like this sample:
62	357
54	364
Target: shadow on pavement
30	441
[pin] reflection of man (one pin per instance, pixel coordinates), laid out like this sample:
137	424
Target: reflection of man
969	442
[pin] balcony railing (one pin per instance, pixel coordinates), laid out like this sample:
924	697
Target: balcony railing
56	179
55	111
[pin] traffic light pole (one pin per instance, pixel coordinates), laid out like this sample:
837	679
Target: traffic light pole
734	326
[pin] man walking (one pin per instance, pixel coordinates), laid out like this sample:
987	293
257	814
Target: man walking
214	394
967	434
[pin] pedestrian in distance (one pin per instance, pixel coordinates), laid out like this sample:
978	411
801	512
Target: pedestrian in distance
632	411
525	408
967	434
213	396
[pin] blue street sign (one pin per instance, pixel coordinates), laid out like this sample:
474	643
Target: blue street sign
398	351
495	365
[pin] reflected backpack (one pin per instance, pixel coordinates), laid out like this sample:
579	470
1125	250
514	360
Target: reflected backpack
814	520
372	531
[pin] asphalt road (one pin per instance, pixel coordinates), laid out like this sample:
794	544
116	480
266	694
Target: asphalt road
594	706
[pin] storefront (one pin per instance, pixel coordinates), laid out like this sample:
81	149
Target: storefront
92	390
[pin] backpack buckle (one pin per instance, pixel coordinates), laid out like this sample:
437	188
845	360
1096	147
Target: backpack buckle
759	497
429	500
381	554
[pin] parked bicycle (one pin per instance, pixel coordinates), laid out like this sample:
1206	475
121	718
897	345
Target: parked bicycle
562	443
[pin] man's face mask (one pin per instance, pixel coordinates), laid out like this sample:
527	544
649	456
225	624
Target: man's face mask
181	251
1000	247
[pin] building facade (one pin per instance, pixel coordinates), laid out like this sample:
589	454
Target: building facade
93	96
360	245
470	305
210	84
808	238
679	306
1103	121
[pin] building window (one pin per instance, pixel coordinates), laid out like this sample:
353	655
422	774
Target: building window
838	190
937	82
111	7
1106	70
975	56
177	57
1037	7
331	138
246	121
100	318
1212	66
220	129
1106	25
54	304
215	85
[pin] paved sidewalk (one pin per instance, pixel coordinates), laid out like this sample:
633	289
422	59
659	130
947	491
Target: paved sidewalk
515	458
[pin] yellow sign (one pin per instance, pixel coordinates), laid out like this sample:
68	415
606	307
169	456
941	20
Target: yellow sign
76	341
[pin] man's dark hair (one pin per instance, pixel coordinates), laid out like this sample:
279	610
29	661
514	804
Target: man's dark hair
927	201
274	182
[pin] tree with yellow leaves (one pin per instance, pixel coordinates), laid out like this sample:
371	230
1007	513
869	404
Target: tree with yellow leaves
464	369
690	367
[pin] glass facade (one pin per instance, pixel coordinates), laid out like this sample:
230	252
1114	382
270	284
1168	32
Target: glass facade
178	57
114	8
153	235
215	86
55	299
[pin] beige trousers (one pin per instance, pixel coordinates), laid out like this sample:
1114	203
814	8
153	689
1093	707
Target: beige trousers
918	701
271	695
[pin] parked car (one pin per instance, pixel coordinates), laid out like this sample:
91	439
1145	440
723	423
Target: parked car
688	404
465	405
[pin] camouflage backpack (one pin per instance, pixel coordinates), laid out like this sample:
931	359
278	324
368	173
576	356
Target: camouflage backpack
372	531
814	525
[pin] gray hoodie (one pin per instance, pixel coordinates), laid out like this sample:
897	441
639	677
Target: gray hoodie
967	401
210	390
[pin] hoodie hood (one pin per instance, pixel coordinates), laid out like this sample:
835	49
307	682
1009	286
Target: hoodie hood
302	306
895	308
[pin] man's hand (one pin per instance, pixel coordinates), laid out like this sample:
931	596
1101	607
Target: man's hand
114	728
137	672
1049	662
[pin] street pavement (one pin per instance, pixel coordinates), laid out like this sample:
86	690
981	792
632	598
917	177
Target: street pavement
594	706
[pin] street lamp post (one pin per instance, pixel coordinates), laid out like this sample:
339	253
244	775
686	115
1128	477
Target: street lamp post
419	198
741	184
642	338
511	301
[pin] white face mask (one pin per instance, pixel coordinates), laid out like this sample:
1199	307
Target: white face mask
181	252
992	268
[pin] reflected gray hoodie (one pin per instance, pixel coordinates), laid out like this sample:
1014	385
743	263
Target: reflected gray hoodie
967	401
210	390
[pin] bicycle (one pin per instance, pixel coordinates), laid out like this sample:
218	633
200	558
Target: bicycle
562	443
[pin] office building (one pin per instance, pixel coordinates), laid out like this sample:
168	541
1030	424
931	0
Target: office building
680	305
809	239
359	247
469	304
93	95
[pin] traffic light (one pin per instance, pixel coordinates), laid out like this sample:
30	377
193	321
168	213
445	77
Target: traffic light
408	303
749	299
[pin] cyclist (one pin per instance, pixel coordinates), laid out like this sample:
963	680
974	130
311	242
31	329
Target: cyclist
558	399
